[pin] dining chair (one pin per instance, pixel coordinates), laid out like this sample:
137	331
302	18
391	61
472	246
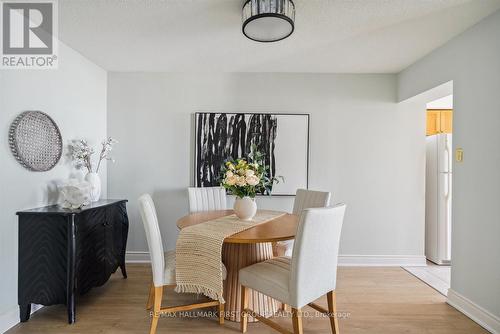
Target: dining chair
304	199
207	199
163	267
310	273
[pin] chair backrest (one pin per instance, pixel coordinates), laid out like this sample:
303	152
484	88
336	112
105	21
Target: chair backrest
207	199
315	254
305	199
153	236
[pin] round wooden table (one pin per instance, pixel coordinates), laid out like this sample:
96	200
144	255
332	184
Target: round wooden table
243	249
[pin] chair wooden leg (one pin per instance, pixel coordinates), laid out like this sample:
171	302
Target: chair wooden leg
156	309
297	321
151	297
332	309
244	305
221	314
284	308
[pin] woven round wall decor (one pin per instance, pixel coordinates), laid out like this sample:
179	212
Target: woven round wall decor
35	141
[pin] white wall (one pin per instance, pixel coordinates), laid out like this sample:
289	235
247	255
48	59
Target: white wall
363	149
472	61
442	103
75	97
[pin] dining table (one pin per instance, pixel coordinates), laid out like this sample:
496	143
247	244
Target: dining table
244	249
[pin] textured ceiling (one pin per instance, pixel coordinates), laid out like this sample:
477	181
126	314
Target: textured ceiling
331	36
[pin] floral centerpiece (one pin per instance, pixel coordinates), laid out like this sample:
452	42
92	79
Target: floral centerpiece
82	152
246	178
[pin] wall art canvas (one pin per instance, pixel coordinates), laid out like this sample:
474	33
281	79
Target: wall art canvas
282	138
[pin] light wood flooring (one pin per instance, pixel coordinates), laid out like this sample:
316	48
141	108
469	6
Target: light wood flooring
376	300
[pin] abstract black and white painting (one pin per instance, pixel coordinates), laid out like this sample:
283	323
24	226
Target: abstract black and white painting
283	139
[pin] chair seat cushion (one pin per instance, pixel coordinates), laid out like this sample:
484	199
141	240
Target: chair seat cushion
271	277
169	274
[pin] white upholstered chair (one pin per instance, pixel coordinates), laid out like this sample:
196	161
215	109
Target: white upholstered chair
310	273
304	199
163	267
207	199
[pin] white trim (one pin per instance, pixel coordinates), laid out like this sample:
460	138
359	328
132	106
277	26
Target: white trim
382	260
11	318
137	257
344	260
484	318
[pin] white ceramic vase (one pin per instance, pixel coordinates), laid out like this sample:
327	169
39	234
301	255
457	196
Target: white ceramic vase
95	186
245	208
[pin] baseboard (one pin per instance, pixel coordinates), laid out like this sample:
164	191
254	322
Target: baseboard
344	260
11	318
137	257
382	260
484	318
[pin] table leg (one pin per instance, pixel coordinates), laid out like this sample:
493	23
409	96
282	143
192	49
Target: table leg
235	257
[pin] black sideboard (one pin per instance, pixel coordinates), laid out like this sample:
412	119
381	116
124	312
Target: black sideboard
65	252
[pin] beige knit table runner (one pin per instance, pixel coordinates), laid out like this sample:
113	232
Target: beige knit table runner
198	254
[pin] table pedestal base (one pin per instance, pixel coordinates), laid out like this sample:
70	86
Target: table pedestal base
235	257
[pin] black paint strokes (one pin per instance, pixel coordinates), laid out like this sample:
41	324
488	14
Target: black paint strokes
223	136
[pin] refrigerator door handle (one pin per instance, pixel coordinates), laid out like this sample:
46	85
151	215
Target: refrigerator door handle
447	154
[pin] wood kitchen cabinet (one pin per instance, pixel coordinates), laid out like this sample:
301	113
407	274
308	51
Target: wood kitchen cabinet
439	121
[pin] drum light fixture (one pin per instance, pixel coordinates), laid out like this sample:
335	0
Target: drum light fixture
268	20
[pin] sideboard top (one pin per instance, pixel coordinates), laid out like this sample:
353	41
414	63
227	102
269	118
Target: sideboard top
56	209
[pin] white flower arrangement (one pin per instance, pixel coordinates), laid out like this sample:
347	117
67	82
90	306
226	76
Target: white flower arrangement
82	153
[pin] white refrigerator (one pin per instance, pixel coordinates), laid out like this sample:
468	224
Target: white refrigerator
438	199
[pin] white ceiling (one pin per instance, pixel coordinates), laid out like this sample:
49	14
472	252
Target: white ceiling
332	36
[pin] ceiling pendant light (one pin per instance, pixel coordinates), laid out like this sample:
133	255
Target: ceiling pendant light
268	20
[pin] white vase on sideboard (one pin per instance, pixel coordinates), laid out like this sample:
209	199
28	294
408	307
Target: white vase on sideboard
95	186
245	208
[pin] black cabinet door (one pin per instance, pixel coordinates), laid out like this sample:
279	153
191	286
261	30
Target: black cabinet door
112	239
92	266
42	259
117	232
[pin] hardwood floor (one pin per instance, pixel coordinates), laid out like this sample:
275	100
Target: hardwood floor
376	300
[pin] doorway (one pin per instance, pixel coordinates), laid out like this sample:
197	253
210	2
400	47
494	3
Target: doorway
438	184
438	195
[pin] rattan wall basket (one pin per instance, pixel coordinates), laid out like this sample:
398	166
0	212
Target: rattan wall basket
35	141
